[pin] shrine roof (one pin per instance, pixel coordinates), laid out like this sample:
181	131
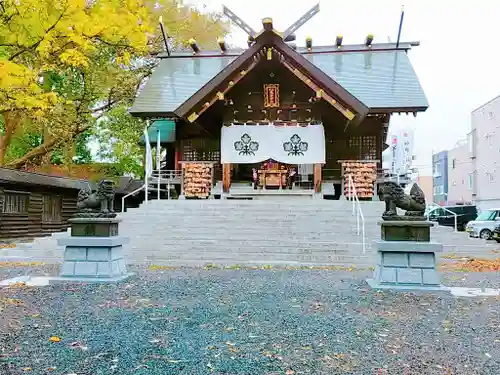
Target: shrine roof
381	77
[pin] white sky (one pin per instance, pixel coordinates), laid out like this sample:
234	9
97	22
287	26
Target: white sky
458	61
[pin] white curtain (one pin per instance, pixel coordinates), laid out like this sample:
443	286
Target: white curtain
246	144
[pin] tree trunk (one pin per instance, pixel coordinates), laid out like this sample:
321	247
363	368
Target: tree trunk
36	152
11	122
41	150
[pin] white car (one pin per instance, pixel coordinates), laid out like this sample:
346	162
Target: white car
484	224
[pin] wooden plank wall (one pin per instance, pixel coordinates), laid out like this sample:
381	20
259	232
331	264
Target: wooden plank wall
34	219
30	225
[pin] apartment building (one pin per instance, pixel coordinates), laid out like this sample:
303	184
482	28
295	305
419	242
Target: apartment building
484	152
459	174
440	177
425	183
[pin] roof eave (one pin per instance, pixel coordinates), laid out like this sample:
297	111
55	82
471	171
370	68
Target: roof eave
153	115
184	109
398	109
378	47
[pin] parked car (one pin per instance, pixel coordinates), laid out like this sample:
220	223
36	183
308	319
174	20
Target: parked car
444	216
496	232
484	225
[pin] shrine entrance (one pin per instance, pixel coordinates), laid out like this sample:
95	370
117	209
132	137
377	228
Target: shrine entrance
270	154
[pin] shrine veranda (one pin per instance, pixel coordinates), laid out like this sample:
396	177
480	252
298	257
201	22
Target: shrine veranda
252	116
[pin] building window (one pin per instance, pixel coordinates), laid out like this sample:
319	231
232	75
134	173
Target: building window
16	203
491	177
437	168
469	185
52	209
489	138
470	139
490	115
453	163
438	190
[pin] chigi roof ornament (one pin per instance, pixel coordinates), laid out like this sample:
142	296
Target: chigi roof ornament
267	24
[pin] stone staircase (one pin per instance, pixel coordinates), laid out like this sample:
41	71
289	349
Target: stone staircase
279	231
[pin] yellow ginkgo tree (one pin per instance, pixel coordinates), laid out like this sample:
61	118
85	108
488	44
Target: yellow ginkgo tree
64	63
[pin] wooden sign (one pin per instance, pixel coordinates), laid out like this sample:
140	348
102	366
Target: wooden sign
271	96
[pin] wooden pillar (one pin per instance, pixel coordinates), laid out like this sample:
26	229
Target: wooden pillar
226	177
177	158
317	177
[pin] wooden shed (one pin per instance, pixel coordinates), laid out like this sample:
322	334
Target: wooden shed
35	205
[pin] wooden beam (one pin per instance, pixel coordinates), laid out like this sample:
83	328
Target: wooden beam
317	178
223	93
319	91
226	177
197	99
317	75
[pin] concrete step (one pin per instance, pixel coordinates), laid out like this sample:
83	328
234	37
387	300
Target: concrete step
224	232
243	213
254	229
358	263
203	247
225	258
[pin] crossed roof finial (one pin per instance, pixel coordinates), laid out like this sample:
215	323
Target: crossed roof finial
289	31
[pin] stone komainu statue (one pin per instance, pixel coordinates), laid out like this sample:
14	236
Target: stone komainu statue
395	197
97	203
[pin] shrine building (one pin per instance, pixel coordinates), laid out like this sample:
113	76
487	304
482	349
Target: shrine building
254	114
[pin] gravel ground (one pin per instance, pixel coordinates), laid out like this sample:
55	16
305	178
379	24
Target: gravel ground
251	322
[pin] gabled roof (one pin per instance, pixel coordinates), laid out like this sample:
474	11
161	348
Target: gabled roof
382	80
378	79
13	176
174	81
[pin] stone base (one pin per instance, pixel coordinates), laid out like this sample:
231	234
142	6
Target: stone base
94	227
402	230
406	265
89	280
407	288
93	258
41	281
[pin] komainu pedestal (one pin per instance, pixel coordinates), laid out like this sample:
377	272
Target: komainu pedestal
406	256
94	251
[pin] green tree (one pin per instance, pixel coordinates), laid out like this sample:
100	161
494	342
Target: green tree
64	64
118	136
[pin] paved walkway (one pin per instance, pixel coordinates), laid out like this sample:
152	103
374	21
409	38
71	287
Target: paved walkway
255	322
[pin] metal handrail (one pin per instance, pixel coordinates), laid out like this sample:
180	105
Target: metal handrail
168	174
436	207
132	193
356	210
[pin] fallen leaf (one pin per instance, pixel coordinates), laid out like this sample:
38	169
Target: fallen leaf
289	372
77	345
55	339
475	265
